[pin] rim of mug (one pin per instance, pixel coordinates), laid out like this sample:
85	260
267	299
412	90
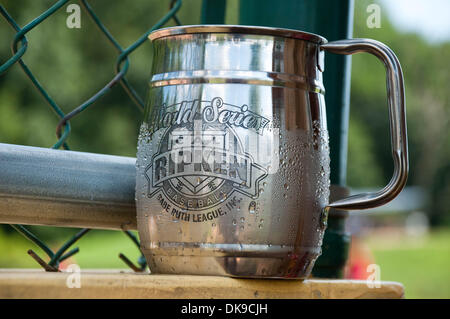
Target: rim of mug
244	29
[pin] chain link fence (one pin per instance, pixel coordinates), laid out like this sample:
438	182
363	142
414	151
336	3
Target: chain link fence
63	128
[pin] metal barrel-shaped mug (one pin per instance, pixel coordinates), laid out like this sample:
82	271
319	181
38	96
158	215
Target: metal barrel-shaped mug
233	158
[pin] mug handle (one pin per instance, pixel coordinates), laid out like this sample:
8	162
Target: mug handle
397	119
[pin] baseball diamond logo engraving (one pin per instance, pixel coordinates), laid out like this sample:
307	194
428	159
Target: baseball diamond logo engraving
200	163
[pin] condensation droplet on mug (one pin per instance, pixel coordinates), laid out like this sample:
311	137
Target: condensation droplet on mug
224	197
322	171
252	207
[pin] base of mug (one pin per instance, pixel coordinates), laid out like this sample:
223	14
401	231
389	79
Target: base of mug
292	266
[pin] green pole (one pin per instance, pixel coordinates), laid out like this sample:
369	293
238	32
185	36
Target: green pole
213	11
333	20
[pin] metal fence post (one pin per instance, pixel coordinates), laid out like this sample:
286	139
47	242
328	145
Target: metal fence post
213	11
333	20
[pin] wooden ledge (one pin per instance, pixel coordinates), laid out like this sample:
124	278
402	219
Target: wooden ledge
34	283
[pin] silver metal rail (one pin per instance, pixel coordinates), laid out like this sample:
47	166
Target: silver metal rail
40	186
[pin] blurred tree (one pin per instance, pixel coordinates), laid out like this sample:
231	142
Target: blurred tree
426	74
72	65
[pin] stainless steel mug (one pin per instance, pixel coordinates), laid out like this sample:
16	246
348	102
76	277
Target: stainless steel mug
233	157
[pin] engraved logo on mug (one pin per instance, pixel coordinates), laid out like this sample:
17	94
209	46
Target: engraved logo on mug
200	159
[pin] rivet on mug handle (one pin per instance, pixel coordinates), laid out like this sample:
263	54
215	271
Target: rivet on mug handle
397	117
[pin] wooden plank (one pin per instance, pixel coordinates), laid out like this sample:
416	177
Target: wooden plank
33	283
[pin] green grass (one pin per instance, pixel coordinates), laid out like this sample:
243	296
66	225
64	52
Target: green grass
422	265
98	249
